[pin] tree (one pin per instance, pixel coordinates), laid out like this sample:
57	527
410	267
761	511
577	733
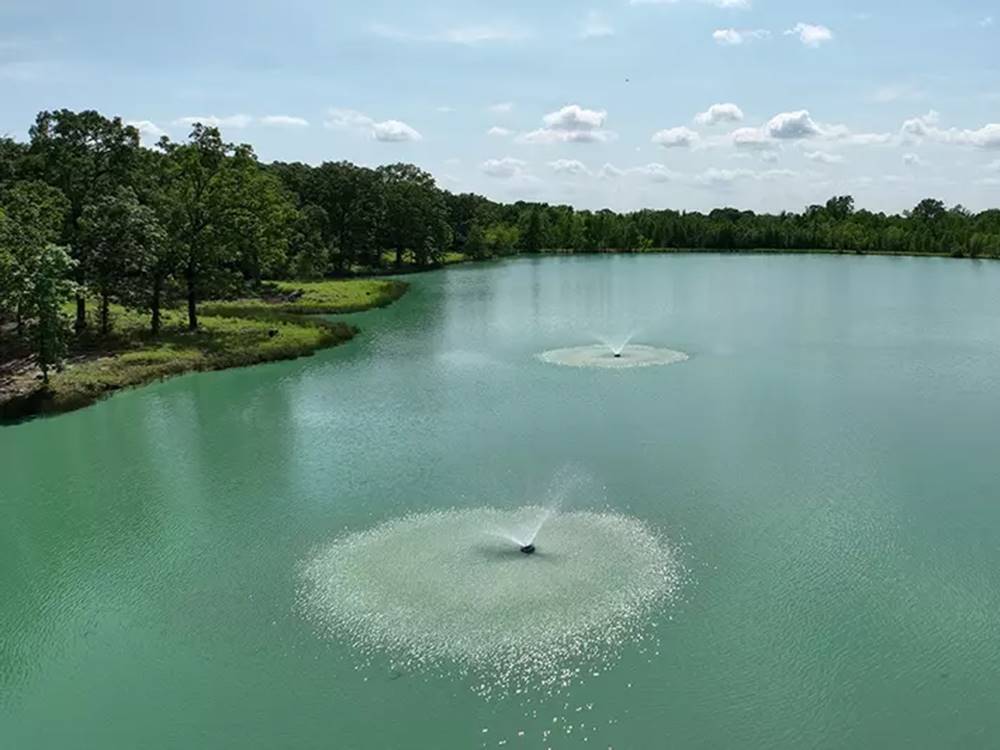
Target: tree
533	230
353	199
12	156
929	210
34	215
502	239
51	287
193	205
258	216
840	208
8	287
475	242
308	250
85	155
416	217
122	245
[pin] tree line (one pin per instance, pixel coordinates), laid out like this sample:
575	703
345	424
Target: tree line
89	214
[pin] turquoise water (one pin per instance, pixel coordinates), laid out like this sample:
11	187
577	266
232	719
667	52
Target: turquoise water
826	462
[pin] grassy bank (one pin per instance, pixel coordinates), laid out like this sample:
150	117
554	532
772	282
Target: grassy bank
312	298
231	334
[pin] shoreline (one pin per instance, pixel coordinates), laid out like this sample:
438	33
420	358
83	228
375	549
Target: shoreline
232	334
758	251
104	374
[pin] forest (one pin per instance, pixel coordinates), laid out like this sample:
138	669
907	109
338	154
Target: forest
90	219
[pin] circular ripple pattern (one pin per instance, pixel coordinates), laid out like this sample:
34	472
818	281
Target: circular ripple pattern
634	355
449	587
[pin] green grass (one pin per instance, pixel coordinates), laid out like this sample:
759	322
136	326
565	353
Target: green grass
317	298
231	334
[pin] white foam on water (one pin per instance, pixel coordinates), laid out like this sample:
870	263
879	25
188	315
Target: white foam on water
447	590
634	355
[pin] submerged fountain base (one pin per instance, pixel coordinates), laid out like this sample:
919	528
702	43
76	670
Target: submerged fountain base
528	549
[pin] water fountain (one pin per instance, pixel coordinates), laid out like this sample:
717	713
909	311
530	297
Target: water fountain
611	355
618	350
472	604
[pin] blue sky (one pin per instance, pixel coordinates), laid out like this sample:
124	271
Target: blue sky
687	104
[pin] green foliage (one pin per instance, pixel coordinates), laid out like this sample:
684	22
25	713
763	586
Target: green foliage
85	156
120	243
415	217
229	220
533	234
32	219
502	239
315	298
50	288
219	343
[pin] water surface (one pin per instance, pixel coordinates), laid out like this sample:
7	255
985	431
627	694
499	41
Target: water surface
827	456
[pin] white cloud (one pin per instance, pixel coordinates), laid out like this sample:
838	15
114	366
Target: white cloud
675	138
149	131
610	171
994	166
655	172
913	160
394	131
501	108
345	119
596	26
232	121
284	121
719	177
387	131
462	35
735	37
505	168
569	167
792	126
986	22
575	117
498	132
571	124
723	177
811	35
752	139
717	113
927	127
800	126
898	93
824	157
842	134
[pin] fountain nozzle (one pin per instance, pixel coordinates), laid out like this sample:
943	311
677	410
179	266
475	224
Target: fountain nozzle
618	355
528	549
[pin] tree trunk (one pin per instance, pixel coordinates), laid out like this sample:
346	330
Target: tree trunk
105	317
192	305
157	293
399	257
81	314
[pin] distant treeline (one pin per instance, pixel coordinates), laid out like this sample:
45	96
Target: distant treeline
86	212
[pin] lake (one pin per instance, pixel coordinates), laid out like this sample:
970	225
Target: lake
824	465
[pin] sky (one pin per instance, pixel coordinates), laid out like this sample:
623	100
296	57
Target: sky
767	105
